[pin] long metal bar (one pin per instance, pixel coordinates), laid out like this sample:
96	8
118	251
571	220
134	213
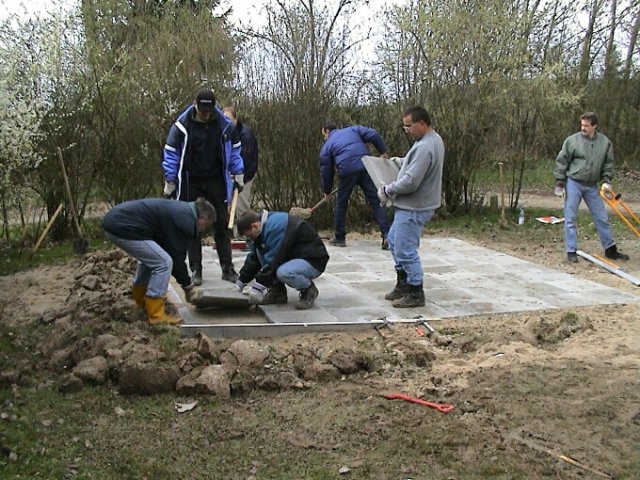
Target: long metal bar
609	268
251	330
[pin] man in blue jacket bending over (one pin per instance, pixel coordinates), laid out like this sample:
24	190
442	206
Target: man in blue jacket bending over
156	232
202	159
343	150
286	250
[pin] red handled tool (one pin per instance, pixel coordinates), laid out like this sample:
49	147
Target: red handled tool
441	407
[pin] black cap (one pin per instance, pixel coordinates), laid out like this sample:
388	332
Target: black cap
205	101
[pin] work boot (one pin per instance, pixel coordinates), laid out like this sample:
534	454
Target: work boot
307	297
336	242
138	292
277	294
385	243
156	313
401	288
196	279
613	253
572	257
414	298
229	274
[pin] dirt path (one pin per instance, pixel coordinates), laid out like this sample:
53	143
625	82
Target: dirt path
554	203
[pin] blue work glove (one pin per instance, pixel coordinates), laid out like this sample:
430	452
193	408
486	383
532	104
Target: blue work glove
256	294
559	190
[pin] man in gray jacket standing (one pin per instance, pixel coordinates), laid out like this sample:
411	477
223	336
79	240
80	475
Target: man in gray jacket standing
415	195
585	160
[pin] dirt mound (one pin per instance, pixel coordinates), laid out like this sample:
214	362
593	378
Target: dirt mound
551	333
95	335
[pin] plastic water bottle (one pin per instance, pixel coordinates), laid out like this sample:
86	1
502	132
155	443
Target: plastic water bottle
521	217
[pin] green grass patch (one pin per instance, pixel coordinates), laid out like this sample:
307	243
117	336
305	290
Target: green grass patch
14	260
538	174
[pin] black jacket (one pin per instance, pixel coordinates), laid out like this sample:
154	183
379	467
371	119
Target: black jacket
169	223
249	151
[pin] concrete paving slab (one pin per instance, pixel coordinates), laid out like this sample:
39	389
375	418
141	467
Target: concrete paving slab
460	280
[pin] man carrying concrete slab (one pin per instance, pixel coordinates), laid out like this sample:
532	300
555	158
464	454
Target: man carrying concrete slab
157	233
415	195
286	250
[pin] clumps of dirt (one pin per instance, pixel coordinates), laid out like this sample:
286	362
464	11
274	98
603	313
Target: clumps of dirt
98	336
102	284
549	332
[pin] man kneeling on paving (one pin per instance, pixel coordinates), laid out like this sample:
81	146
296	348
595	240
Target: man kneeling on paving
157	232
286	250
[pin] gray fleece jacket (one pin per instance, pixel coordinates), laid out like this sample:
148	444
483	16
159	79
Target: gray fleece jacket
419	182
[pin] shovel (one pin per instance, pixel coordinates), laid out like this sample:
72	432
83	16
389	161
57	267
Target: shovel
307	212
80	244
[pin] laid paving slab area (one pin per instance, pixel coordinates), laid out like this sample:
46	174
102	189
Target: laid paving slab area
460	280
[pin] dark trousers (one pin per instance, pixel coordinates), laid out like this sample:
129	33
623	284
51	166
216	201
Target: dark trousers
215	191
346	186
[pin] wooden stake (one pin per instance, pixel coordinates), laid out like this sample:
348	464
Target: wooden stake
47	228
72	209
503	220
559	456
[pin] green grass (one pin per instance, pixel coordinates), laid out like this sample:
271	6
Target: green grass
538	174
14	260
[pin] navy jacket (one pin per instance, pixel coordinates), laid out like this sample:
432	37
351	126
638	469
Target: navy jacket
169	223
283	237
249	151
343	151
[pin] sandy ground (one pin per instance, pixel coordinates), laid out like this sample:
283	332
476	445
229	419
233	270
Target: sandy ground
526	387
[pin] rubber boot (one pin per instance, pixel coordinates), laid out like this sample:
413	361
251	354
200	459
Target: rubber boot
307	297
276	295
414	298
156	313
401	288
138	292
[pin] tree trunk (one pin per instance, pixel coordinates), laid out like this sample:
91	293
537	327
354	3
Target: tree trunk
585	57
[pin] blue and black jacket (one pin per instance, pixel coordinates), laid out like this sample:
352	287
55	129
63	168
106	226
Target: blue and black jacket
283	237
175	151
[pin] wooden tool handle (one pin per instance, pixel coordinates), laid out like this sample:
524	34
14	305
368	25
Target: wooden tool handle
72	208
313	209
232	212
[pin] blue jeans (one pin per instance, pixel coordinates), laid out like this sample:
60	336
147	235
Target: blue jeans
346	186
154	264
575	192
404	240
297	273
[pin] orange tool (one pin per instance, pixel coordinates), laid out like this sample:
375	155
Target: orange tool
441	407
613	199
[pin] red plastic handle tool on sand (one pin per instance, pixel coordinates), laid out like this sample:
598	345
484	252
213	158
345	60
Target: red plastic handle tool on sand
441	407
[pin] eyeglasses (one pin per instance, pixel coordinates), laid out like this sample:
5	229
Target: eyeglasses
408	127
